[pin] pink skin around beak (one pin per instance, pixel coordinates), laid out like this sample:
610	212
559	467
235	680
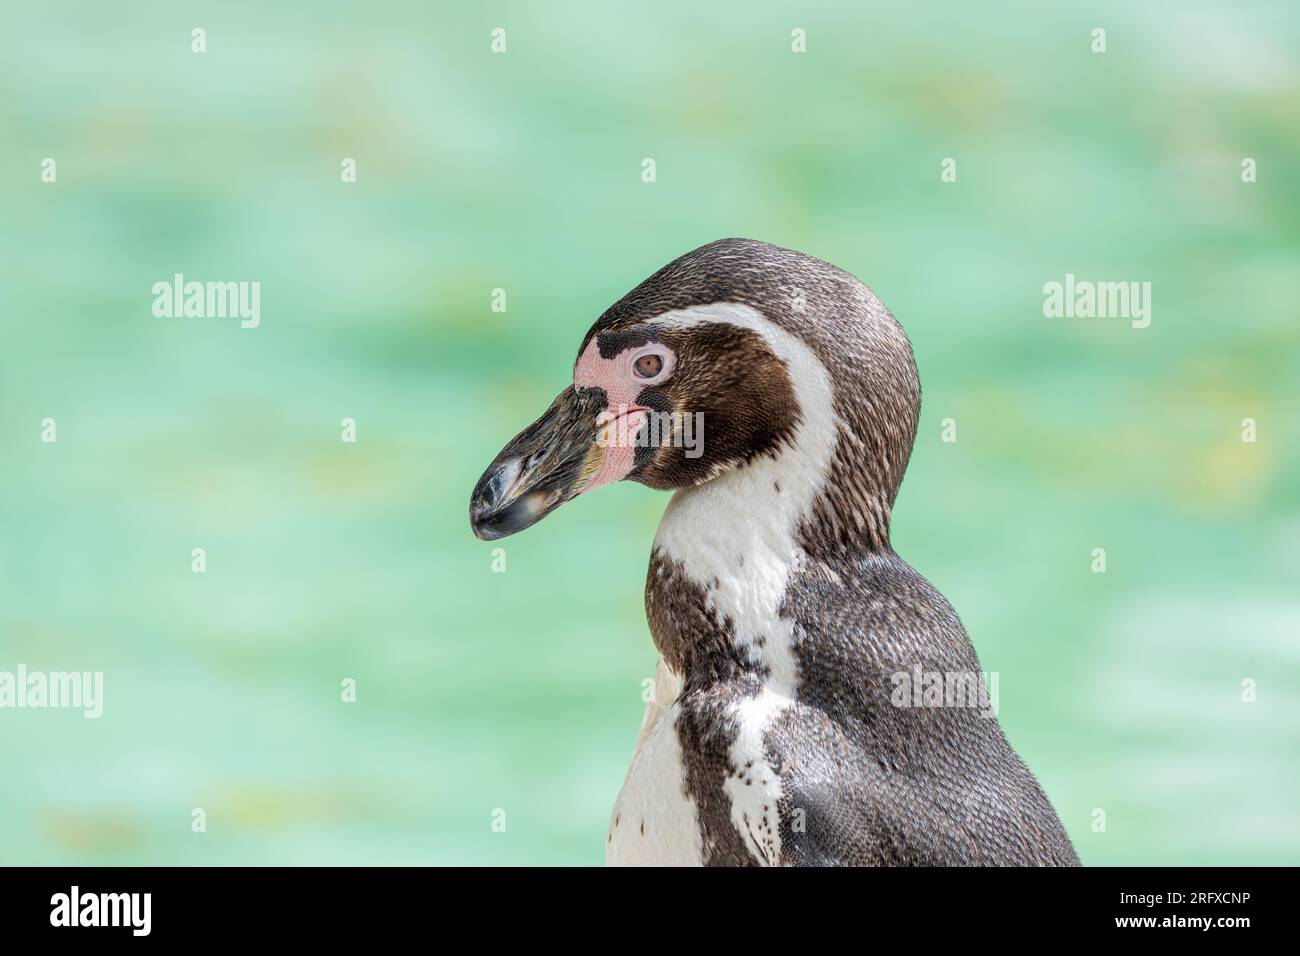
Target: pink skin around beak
622	386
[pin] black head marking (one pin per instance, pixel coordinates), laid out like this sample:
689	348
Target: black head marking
611	343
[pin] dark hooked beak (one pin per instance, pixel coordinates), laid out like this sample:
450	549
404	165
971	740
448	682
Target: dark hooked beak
554	459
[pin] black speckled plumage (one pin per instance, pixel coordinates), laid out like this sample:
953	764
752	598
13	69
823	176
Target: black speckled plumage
897	786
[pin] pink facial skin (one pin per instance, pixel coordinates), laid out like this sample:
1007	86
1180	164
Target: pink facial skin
621	383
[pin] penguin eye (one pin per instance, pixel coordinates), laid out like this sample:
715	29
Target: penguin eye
648	366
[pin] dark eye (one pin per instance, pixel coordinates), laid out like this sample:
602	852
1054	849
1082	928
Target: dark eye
648	366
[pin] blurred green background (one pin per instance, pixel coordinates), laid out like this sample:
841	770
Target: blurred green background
521	691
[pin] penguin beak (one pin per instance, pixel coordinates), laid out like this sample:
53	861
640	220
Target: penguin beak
552	461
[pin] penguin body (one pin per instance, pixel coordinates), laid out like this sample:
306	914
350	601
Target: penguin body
784	619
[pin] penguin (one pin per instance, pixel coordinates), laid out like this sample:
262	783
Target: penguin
780	731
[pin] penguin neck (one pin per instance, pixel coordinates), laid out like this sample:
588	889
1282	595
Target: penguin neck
723	559
725	556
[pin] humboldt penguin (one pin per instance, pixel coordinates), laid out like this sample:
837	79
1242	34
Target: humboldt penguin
781	730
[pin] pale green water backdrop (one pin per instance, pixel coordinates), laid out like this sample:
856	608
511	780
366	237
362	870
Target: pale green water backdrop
521	171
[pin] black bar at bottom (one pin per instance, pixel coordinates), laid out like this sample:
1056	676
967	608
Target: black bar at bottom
367	905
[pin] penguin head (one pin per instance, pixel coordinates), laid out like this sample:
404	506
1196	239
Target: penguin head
680	382
669	407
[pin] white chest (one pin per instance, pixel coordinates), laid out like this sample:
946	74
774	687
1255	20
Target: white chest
654	822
